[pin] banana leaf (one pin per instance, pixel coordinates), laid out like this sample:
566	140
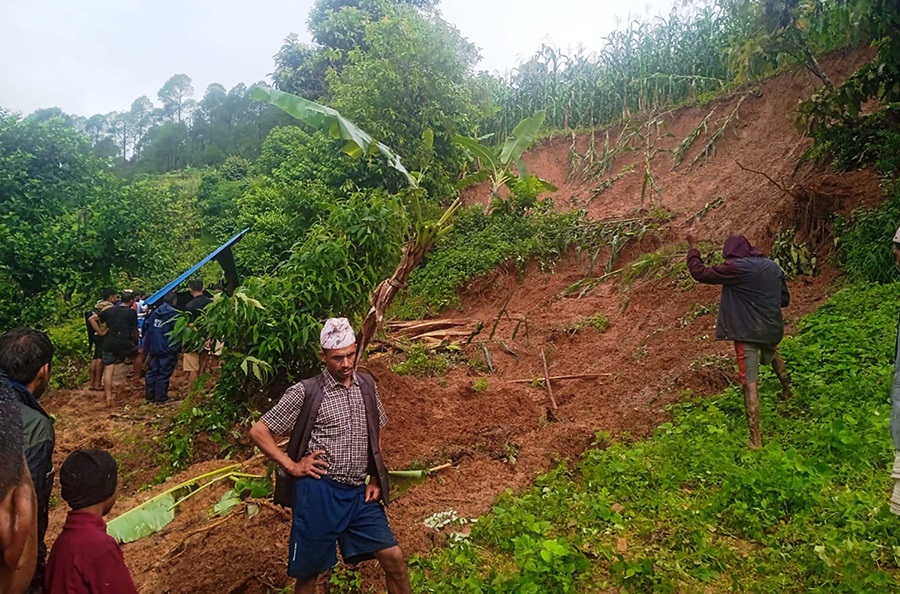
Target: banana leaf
147	518
522	136
230	499
156	513
357	142
403	480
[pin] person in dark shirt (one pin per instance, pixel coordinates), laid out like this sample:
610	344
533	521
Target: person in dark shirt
25	357
85	559
194	363
753	293
96	329
120	340
18	512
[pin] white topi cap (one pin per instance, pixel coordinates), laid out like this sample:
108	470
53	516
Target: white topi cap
897	236
337	333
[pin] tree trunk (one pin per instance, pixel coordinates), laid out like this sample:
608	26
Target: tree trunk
384	293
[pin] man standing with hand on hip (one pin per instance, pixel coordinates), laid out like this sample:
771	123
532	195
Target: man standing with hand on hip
334	419
753	293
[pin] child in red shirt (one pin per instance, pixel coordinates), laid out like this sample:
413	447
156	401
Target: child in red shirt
84	559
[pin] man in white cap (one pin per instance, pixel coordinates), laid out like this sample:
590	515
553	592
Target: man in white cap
338	483
895	399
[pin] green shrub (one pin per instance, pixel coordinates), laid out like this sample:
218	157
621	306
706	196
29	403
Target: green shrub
71	354
421	361
864	242
270	325
477	244
479	384
220	420
795	259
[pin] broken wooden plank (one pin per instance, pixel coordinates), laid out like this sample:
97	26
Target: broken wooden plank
412	325
441	334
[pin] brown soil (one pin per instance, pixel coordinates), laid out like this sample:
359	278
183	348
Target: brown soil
652	355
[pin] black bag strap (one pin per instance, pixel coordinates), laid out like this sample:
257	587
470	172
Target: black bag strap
312	398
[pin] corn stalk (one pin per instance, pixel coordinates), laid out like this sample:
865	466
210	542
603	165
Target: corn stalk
709	149
685	145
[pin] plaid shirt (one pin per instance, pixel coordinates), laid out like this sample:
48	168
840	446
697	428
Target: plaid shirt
340	427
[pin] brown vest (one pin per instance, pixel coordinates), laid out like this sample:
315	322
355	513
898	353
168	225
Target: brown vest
313	394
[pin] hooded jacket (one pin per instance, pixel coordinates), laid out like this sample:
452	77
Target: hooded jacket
753	292
156	329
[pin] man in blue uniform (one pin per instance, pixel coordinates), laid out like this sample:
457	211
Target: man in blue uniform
163	351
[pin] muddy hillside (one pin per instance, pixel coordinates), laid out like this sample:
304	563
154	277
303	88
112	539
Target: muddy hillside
656	347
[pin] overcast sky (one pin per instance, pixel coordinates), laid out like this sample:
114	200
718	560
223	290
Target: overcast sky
96	56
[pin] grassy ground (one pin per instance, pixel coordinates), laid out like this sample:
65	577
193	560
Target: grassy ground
693	510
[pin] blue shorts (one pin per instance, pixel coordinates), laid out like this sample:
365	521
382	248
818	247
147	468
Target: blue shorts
326	512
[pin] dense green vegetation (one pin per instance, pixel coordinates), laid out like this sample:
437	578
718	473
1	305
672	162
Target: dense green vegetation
692	508
129	199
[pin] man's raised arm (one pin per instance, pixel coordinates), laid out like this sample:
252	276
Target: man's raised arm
720	274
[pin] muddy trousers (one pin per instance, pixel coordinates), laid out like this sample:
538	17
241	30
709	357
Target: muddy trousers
159	372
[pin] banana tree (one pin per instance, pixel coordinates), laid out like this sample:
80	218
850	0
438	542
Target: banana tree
358	143
497	166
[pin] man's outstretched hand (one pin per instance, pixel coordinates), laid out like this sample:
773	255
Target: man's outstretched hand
691	237
310	465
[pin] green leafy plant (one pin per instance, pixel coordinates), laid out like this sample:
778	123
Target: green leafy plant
357	142
422	361
597	321
795	259
479	384
498	167
158	511
864	244
697	311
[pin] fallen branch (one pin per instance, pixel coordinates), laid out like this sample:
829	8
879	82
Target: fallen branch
780	186
559	378
508	350
547	379
487	357
500	315
441	334
697	216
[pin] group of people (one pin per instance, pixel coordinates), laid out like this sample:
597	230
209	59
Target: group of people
125	329
84	559
332	474
337	481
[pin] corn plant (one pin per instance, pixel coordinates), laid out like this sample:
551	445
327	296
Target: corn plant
647	65
685	145
709	149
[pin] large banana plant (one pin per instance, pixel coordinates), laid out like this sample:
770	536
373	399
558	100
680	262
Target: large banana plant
358	143
497	166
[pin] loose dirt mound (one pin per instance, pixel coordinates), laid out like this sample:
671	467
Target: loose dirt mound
659	348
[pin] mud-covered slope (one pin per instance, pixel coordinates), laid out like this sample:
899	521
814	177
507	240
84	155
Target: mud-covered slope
654	352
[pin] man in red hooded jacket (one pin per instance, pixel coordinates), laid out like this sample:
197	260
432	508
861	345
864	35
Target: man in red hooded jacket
753	293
